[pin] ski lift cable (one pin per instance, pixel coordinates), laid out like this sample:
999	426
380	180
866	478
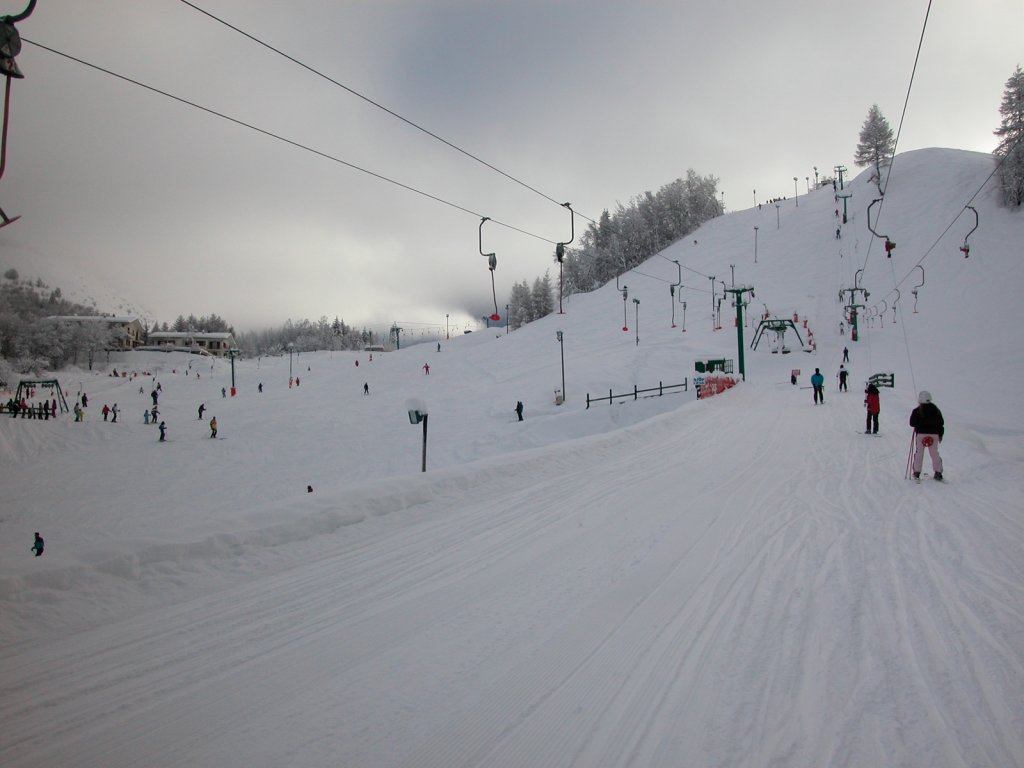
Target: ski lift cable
286	140
673	261
376	104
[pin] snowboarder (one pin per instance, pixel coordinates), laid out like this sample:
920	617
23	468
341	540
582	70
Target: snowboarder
843	374
37	545
202	407
163	431
929	429
818	385
519	409
846	355
213	426
874	406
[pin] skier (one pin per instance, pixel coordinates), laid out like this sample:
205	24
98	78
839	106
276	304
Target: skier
426	369
145	415
818	385
114	413
155	396
105	411
519	409
85	400
202	407
366	388
213	426
153	414
929	428
37	545
260	388
846	354
843	374
874	405
223	391
163	431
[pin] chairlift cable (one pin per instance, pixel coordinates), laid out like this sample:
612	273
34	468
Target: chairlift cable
278	137
378	105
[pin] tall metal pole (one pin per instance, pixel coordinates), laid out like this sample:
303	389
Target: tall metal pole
636	303
561	348
424	465
755	244
796	192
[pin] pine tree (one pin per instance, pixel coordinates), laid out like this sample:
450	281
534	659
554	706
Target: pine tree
1010	133
876	143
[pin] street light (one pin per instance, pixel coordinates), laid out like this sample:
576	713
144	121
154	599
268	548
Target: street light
636	303
561	347
808	180
796	192
777	224
815	176
418	413
233	353
446	336
291	348
506	319
755	244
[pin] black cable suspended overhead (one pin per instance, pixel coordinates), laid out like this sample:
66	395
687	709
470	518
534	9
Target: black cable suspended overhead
376	104
278	137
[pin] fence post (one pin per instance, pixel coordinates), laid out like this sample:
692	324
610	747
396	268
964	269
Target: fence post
588	401
609	397
634	393
659	389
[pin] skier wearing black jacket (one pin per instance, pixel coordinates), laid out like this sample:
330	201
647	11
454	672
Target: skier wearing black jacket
929	428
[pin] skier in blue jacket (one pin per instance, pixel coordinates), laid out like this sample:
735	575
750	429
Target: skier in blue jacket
818	384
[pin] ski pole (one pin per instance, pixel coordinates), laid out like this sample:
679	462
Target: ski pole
910	455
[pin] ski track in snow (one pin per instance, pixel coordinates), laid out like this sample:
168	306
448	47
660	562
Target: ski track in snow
709	628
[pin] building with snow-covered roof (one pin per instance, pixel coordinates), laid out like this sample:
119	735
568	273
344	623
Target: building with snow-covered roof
216	344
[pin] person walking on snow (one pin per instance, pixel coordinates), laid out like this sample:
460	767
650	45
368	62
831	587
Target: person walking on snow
818	385
874	405
929	429
519	409
213	427
37	545
843	373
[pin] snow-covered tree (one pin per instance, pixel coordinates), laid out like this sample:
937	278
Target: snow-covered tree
876	144
1010	151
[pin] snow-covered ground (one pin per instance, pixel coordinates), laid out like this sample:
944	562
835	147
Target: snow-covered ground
746	580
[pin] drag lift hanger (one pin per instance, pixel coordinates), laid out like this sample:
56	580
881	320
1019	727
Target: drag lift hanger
914	292
889	244
10	46
492	262
965	248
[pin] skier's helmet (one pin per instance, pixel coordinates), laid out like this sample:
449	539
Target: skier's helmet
924	397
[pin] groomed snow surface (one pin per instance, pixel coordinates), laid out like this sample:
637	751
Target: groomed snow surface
746	580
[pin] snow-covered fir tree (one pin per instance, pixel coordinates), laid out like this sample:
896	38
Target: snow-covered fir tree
1010	151
876	144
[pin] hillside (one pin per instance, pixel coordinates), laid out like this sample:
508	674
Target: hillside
746	580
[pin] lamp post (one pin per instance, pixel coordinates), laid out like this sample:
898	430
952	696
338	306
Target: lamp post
561	348
446	336
506	319
233	353
777	221
291	348
418	413
755	244
796	192
636	304
815	175
808	180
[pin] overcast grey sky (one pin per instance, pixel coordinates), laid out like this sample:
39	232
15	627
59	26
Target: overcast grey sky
590	102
